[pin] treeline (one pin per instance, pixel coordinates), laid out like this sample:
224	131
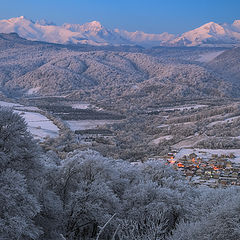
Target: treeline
204	114
69	113
219	143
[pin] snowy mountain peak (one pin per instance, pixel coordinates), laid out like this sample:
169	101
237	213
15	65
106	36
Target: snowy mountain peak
210	33
94	26
236	23
212	26
18	19
94	33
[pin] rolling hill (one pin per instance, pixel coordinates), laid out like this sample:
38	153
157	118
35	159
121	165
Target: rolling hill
35	68
227	64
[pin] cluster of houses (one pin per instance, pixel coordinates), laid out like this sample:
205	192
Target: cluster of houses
94	135
214	172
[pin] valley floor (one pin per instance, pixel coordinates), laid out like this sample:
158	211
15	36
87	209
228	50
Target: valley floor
203	127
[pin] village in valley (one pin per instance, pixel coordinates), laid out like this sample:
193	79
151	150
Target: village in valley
215	170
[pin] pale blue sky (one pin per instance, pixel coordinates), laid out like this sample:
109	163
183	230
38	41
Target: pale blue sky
153	16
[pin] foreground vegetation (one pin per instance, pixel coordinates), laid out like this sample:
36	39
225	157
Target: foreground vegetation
45	197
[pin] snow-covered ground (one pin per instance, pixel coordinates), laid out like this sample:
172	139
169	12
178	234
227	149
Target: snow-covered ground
207	57
223	121
85	106
188	142
27	108
33	90
175	124
187	107
81	105
39	125
9	104
162	138
18	106
163	126
88	124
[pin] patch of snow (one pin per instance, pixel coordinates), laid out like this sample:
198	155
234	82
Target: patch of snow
27	108
163	126
181	108
207	57
162	138
33	90
88	124
9	104
188	142
81	105
223	121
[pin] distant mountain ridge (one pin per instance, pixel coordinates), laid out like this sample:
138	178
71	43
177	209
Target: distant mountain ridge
93	33
210	33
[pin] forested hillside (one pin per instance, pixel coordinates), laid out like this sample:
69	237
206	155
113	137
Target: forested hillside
227	64
28	68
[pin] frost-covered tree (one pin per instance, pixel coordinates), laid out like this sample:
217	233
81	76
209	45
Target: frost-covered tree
20	179
18	151
215	215
92	188
17	208
86	183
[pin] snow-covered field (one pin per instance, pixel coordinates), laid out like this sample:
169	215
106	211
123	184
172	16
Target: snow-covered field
88	124
39	125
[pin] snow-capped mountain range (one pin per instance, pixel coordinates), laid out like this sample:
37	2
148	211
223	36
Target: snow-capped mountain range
210	34
93	33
